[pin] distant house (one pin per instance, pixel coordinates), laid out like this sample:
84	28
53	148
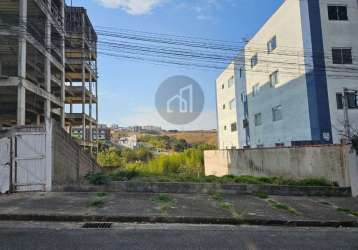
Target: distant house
128	142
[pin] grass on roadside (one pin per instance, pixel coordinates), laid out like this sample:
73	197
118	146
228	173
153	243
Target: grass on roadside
281	206
164	201
98	201
347	211
101	194
225	204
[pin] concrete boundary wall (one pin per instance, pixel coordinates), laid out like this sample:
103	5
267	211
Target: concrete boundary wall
70	162
330	162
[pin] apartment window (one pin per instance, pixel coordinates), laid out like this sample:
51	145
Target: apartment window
231	82
254	60
233	127
337	13
274	79
243	97
225	128
258	119
342	56
352	101
224	106
272	45
223	86
279	144
255	90
240	72
245	123
277	113
232	104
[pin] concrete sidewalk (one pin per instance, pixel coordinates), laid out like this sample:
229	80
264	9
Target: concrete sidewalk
180	208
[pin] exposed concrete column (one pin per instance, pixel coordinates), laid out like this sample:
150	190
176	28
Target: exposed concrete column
21	105
63	87
90	112
83	102
90	89
48	68
97	99
38	120
21	96
83	81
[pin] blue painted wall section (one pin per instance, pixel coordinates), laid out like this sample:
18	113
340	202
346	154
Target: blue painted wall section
318	102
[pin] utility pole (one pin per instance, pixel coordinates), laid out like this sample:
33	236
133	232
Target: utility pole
345	99
347	131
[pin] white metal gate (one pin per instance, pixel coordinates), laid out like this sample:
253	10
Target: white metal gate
5	164
29	166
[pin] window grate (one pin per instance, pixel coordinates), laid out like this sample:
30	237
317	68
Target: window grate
97	225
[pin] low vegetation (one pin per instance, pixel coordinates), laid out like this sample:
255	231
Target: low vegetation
281	206
143	175
164	201
98	178
225	204
348	211
184	164
262	195
113	157
98	200
164	142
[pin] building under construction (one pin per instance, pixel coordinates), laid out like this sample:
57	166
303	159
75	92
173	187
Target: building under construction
81	76
47	65
32	63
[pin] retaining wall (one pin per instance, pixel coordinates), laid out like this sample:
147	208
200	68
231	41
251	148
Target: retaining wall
329	162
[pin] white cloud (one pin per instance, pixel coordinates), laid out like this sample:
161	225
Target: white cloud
134	7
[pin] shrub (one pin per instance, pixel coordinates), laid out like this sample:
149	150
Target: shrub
98	178
123	175
110	158
262	195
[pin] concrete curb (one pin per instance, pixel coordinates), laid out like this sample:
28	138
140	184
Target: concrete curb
172	220
207	188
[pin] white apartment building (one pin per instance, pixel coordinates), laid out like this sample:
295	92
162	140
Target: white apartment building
288	82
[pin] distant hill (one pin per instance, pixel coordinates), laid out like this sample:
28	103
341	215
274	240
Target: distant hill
192	137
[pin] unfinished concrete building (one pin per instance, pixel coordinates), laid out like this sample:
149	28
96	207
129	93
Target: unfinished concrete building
32	61
81	76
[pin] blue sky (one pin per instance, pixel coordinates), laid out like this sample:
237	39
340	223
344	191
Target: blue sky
127	88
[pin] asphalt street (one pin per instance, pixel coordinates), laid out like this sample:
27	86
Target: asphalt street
53	236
